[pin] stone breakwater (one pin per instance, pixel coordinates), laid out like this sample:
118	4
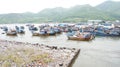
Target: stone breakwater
24	54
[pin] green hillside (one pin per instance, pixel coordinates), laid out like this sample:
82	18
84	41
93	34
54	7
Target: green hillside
108	10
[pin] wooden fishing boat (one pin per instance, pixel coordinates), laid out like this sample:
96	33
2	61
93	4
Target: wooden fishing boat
79	38
35	33
82	37
11	33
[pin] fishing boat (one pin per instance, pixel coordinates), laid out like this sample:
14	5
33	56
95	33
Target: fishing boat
20	29
111	33
51	32
43	33
57	30
4	28
11	33
35	34
82	37
106	32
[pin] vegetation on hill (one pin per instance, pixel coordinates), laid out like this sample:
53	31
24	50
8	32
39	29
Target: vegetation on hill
108	10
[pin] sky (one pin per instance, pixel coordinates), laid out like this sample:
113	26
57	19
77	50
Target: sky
20	6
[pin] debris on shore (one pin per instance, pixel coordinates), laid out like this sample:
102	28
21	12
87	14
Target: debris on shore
24	54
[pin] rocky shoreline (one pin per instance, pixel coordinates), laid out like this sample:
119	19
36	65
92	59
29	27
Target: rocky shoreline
24	54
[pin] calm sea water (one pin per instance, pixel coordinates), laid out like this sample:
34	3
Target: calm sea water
100	52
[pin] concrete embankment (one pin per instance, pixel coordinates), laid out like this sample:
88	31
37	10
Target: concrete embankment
74	58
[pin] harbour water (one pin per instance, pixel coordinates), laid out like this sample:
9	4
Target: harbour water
100	52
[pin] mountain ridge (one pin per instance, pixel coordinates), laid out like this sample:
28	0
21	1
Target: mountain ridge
108	10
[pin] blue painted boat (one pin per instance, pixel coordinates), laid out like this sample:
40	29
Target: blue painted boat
71	33
102	33
106	32
51	32
57	30
43	32
5	28
20	29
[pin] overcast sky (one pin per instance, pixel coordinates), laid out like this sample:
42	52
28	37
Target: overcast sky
20	6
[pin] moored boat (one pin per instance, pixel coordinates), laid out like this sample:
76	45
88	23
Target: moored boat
106	32
35	34
51	32
20	29
82	37
11	33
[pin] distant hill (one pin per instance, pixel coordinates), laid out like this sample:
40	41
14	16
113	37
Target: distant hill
18	18
109	6
108	10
